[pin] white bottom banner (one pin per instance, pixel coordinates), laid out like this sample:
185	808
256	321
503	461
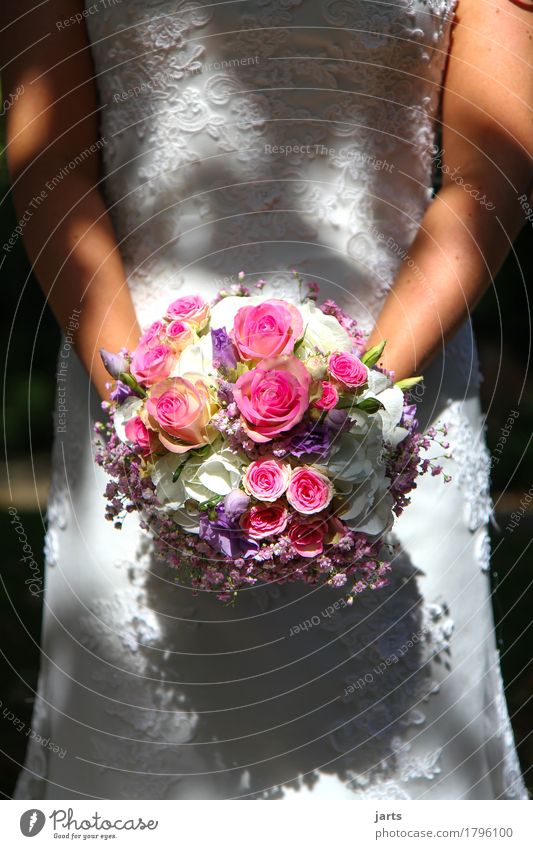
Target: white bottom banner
218	823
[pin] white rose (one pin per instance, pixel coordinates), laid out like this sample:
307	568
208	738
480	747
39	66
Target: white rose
321	331
123	414
195	359
169	492
198	480
220	473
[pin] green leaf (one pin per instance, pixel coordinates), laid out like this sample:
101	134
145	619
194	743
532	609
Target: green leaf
371	356
367	405
346	402
370	405
130	381
201	452
300	340
408	382
178	472
212	502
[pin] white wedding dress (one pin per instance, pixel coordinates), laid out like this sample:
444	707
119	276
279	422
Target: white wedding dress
148	690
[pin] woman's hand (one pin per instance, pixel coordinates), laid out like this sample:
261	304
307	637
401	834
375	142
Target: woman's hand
53	153
487	156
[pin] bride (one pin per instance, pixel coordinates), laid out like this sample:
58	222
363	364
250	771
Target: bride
159	147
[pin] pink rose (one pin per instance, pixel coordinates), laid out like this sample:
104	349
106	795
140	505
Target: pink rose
191	309
347	369
179	335
273	397
264	520
137	432
307	536
179	409
267	330
309	491
329	397
153	335
267	479
152	363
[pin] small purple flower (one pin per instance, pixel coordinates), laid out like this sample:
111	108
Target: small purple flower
115	364
314	440
225	536
409	416
235	504
223	353
337	421
120	392
225	395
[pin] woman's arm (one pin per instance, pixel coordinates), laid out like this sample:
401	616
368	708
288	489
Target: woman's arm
53	153
488	148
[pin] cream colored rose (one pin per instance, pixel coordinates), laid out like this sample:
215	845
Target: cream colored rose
199	479
321	331
197	358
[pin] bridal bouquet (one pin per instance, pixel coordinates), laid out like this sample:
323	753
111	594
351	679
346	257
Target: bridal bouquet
259	443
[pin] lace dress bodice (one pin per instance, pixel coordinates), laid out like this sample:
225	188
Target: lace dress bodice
266	134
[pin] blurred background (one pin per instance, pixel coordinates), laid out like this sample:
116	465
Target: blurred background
30	340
